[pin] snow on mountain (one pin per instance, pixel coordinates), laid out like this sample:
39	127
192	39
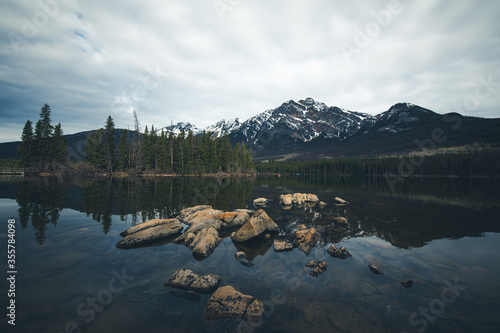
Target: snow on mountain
307	119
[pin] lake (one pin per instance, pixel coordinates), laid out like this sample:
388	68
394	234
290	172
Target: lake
442	233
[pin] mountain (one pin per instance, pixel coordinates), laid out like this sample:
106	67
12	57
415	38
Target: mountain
308	129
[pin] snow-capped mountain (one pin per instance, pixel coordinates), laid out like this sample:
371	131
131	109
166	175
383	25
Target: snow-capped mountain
315	129
305	120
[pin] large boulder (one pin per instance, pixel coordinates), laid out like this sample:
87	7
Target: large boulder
146	225
228	303
307	239
232	219
199	215
149	235
256	225
186	279
205	242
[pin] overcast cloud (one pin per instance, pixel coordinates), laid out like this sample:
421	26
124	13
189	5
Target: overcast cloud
200	61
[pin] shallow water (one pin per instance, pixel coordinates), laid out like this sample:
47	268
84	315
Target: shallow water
441	233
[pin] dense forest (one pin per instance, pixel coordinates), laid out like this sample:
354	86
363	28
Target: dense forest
165	152
477	162
44	148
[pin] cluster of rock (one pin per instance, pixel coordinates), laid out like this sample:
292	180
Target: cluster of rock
319	267
282	245
300	199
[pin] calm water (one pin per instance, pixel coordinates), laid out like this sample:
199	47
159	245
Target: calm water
444	234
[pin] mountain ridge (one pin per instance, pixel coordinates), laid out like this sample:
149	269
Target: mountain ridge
311	129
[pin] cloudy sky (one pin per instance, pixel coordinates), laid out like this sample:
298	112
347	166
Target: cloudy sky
200	61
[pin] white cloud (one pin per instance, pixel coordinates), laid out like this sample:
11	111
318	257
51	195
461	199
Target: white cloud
178	61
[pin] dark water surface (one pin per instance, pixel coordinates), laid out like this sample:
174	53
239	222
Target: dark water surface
442	233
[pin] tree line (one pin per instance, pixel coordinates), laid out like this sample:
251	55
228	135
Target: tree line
475	163
165	151
44	146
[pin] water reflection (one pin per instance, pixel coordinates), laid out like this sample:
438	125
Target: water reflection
423	209
40	202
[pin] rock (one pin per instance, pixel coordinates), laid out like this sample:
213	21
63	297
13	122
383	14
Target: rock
150	235
256	225
307	239
299	199
312	198
255	312
186	279
341	253
340	201
375	269
205	242
240	255
206	284
407	283
228	303
181	279
282	245
286	199
340	220
232	219
191	210
199	216
260	201
246	262
146	225
319	267
322	204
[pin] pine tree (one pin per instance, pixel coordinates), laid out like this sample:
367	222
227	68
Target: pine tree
46	126
59	146
95	149
26	148
124	151
110	143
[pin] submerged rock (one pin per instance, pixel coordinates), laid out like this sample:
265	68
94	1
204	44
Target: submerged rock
189	295
375	269
186	279
307	239
282	245
246	262
407	283
256	225
151	233
341	253
228	303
